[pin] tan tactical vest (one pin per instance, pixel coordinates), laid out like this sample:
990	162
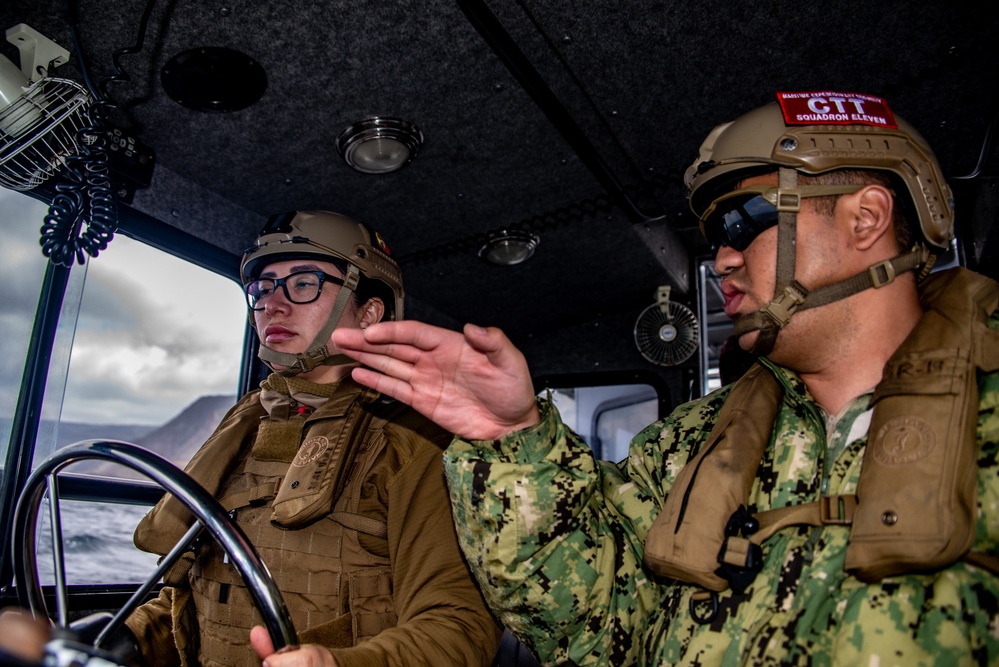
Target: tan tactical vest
300	514
915	507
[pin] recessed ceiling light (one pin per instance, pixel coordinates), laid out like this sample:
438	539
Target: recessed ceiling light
508	247
379	145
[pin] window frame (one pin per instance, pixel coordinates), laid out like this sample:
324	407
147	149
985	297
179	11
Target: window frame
27	415
664	401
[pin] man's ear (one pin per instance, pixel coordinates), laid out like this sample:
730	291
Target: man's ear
372	312
871	215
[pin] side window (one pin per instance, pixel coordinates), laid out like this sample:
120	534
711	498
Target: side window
717	327
606	414
147	350
23	271
154	353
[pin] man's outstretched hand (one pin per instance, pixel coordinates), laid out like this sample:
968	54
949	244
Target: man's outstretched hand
475	384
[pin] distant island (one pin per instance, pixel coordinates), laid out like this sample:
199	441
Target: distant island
177	440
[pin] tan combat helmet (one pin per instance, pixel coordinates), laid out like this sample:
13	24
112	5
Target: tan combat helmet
324	236
813	133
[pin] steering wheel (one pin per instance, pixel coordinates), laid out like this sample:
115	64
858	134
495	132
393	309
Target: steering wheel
209	514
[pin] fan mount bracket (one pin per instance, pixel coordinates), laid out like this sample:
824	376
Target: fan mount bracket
37	51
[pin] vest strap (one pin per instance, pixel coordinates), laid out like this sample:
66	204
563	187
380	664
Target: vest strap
834	510
986	561
254	496
361	524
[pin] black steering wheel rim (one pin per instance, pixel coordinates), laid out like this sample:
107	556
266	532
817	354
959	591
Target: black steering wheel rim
199	502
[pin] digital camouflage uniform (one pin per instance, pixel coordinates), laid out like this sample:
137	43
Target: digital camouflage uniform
556	539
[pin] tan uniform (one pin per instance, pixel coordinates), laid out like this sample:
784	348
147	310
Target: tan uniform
379	579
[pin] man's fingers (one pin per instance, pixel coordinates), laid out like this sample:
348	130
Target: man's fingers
261	642
405	332
487	340
384	384
348	338
393	362
367	348
377	360
492	343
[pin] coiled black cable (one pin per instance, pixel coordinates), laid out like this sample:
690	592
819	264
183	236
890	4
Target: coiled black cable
83	216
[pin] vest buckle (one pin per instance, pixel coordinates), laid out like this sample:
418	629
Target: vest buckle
837	510
740	559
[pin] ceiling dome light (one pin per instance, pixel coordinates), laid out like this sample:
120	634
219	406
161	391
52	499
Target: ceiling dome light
508	247
379	145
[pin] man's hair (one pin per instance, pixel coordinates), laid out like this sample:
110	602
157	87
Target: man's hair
901	210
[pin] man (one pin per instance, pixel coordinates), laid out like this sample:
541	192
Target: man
839	504
340	490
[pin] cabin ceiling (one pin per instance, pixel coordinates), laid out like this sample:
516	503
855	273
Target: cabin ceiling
574	120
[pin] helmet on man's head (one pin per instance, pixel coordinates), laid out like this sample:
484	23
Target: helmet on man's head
329	237
814	133
326	236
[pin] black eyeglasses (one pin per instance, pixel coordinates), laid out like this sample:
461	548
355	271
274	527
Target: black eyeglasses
738	217
299	287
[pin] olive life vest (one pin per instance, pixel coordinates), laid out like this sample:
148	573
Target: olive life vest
915	506
299	510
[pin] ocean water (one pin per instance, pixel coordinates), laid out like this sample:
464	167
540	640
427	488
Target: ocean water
97	544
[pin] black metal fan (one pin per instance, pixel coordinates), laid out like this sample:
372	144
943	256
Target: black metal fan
666	332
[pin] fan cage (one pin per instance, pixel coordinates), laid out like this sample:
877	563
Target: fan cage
660	350
38	131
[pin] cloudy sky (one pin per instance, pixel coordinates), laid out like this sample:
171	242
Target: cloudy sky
154	333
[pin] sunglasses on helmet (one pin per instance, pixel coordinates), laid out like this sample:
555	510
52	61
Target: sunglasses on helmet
736	218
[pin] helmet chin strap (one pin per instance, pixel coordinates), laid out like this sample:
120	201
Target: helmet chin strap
317	354
790	296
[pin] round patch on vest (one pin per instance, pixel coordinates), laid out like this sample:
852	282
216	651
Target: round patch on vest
903	440
310	450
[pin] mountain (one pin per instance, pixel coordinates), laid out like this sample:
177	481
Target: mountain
177	440
182	436
71	432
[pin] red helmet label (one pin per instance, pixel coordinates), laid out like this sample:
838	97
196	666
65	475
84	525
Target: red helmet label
382	245
828	108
